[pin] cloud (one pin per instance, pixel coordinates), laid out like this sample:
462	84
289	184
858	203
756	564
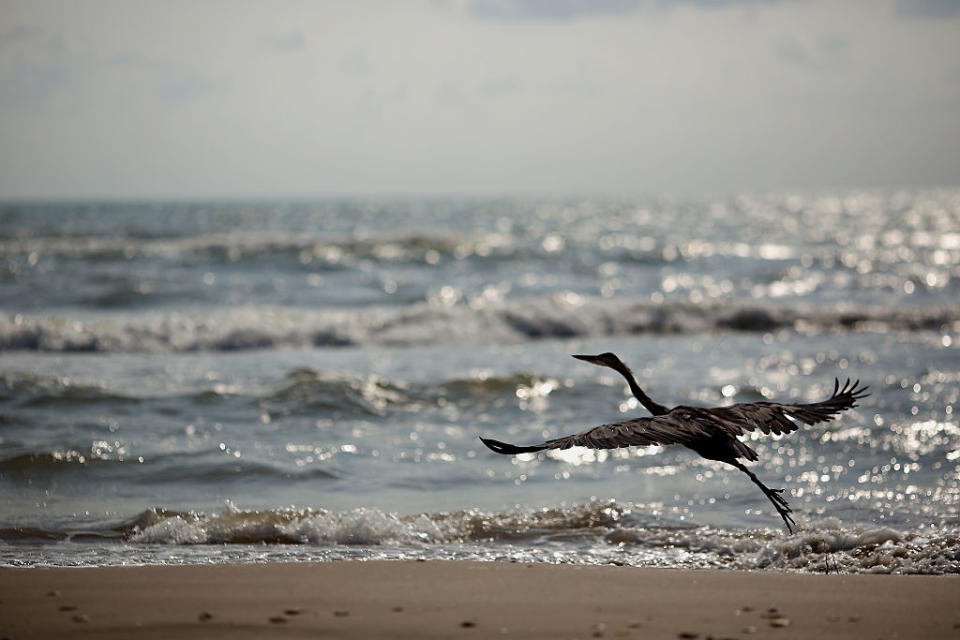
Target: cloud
169	82
19	34
30	86
834	45
287	42
185	86
357	63
549	10
570	10
824	50
792	51
35	67
500	86
929	8
32	41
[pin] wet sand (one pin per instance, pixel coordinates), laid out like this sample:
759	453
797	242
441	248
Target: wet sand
470	600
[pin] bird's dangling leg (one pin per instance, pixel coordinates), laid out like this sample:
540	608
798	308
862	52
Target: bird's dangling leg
774	495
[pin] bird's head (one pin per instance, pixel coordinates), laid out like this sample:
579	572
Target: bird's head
603	360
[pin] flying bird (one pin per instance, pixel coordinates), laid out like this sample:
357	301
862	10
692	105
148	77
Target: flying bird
712	432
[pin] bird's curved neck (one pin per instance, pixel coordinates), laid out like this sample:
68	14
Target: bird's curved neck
648	403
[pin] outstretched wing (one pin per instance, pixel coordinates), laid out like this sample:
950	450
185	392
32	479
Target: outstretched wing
692	425
777	418
670	428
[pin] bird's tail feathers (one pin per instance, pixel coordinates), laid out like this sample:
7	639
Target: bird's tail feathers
509	449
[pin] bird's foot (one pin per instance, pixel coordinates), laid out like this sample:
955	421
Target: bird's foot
776	496
787	519
782	507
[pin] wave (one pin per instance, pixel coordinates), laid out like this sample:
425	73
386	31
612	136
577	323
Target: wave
306	390
183	467
557	316
29	464
333	253
583	241
851	550
598	531
31	390
302	390
303	249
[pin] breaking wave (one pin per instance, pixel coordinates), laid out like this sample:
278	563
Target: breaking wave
595	533
511	321
813	548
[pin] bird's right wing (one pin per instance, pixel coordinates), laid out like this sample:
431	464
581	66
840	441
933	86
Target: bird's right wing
670	428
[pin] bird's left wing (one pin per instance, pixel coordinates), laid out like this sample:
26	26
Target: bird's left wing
778	418
670	428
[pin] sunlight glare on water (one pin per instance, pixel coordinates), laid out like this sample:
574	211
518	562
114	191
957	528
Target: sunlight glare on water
327	367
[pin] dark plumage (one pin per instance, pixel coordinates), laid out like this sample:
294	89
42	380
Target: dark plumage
711	432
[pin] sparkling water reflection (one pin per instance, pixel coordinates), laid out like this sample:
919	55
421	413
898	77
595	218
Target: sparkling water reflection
339	359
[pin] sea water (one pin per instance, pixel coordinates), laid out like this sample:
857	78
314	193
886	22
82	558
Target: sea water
307	380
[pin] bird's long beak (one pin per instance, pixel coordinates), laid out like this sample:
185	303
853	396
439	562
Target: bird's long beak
591	359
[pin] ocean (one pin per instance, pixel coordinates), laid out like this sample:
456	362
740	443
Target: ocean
211	382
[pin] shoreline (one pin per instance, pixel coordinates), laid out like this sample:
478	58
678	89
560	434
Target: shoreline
441	599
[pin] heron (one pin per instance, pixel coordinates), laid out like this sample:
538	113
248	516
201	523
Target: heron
711	432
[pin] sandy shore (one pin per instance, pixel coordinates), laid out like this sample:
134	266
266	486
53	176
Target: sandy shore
470	600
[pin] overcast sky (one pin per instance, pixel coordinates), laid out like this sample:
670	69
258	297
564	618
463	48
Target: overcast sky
233	99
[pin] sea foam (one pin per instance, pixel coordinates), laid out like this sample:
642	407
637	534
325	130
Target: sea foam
595	533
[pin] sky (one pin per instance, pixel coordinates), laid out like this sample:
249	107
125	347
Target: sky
236	99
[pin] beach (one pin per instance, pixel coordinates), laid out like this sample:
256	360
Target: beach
438	599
